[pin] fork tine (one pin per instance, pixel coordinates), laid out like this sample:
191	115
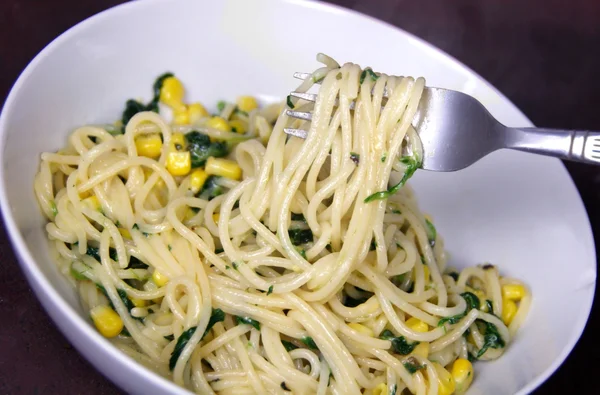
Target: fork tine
301	76
304	96
306	116
301	133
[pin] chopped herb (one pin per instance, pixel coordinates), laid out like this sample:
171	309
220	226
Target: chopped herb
370	73
95	253
53	208
316	79
411	166
169	247
355	157
289	346
180	345
302	252
412	365
135	263
219	250
201	148
454	275
423	260
290	103
373	245
310	342
221	105
135	226
384	157
431	232
396	211
169	337
490	306
235	265
300	236
284	387
270	291
79	270
338	76
298	217
247	321
133	107
472	303
393	389
471	357
399	344
491	339
227	267
211	189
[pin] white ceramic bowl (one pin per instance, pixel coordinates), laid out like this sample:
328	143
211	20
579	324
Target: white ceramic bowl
516	210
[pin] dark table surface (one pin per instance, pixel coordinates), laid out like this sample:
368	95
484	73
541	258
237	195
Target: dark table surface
543	54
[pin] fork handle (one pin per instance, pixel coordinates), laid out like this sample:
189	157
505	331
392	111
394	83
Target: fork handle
574	145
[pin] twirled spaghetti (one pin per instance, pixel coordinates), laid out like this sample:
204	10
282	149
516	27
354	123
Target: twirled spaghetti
294	266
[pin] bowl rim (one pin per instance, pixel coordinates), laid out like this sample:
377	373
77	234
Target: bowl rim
41	285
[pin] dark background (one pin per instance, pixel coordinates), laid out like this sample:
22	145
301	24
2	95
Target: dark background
543	54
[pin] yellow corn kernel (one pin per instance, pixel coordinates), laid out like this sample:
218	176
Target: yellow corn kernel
509	309
139	302
381	389
181	116
148	145
92	202
178	141
462	373
106	320
159	279
223	167
196	111
513	292
125	233
189	214
219	124
179	163
421	350
417	325
197	180
172	92
216	217
247	103
362	329
446	384
238	126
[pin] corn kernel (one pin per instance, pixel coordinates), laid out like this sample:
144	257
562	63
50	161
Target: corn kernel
381	389
421	350
362	329
179	163
219	124
172	92
513	292
181	116
148	145
106	320
178	141
159	279
238	126
197	180
189	214
125	233
247	103
139	302
462	373
417	325
196	111
92	202
509	309
216	217
223	167
446	384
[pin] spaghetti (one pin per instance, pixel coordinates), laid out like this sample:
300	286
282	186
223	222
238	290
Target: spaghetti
232	258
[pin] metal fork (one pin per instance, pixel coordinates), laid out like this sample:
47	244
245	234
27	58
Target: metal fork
456	130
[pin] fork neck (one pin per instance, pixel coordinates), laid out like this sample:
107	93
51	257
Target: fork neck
564	144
